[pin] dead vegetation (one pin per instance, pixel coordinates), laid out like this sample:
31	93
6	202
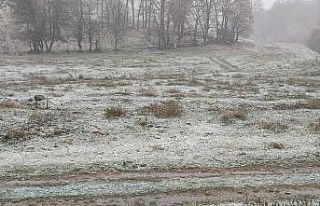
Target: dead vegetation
276	145
167	109
143	121
303	82
114	112
38	124
175	93
183	81
274	126
15	133
240	113
315	126
9	103
147	92
157	148
309	104
108	83
246	87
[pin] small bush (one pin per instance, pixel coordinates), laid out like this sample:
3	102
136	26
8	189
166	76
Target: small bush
114	112
8	103
38	124
148	92
175	93
169	109
143	122
41	119
273	126
157	148
236	114
276	145
15	133
313	104
315	126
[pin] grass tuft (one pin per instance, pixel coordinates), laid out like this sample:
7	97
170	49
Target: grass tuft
148	92
9	103
315	126
276	145
276	127
310	104
169	109
114	112
235	114
15	133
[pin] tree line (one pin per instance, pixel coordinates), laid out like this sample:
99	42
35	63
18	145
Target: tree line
173	23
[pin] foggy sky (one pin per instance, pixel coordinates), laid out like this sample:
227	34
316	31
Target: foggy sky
268	3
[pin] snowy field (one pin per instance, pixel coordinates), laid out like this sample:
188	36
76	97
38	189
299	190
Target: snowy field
214	108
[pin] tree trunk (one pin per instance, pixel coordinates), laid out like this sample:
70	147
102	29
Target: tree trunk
162	31
79	41
133	14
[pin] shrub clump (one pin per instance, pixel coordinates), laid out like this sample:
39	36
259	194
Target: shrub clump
9	103
168	109
276	127
148	92
114	112
315	126
276	145
38	124
235	114
15	133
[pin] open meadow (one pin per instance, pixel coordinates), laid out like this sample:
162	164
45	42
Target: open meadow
206	125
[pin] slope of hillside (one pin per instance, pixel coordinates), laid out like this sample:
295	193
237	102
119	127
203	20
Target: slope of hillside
189	125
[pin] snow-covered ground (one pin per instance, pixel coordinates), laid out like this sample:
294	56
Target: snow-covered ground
208	82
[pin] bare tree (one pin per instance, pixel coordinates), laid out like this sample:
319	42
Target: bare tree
118	23
3	3
42	21
55	20
207	12
78	21
173	23
242	21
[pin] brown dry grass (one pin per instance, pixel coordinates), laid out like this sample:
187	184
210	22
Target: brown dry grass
169	109
276	145
310	104
149	92
114	112
315	125
175	93
275	126
16	133
143	121
240	113
9	103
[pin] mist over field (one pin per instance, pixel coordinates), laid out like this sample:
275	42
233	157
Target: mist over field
288	21
160	102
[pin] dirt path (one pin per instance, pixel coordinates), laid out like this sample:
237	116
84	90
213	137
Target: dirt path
224	64
167	187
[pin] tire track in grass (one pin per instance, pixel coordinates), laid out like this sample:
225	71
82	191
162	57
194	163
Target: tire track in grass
136	184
